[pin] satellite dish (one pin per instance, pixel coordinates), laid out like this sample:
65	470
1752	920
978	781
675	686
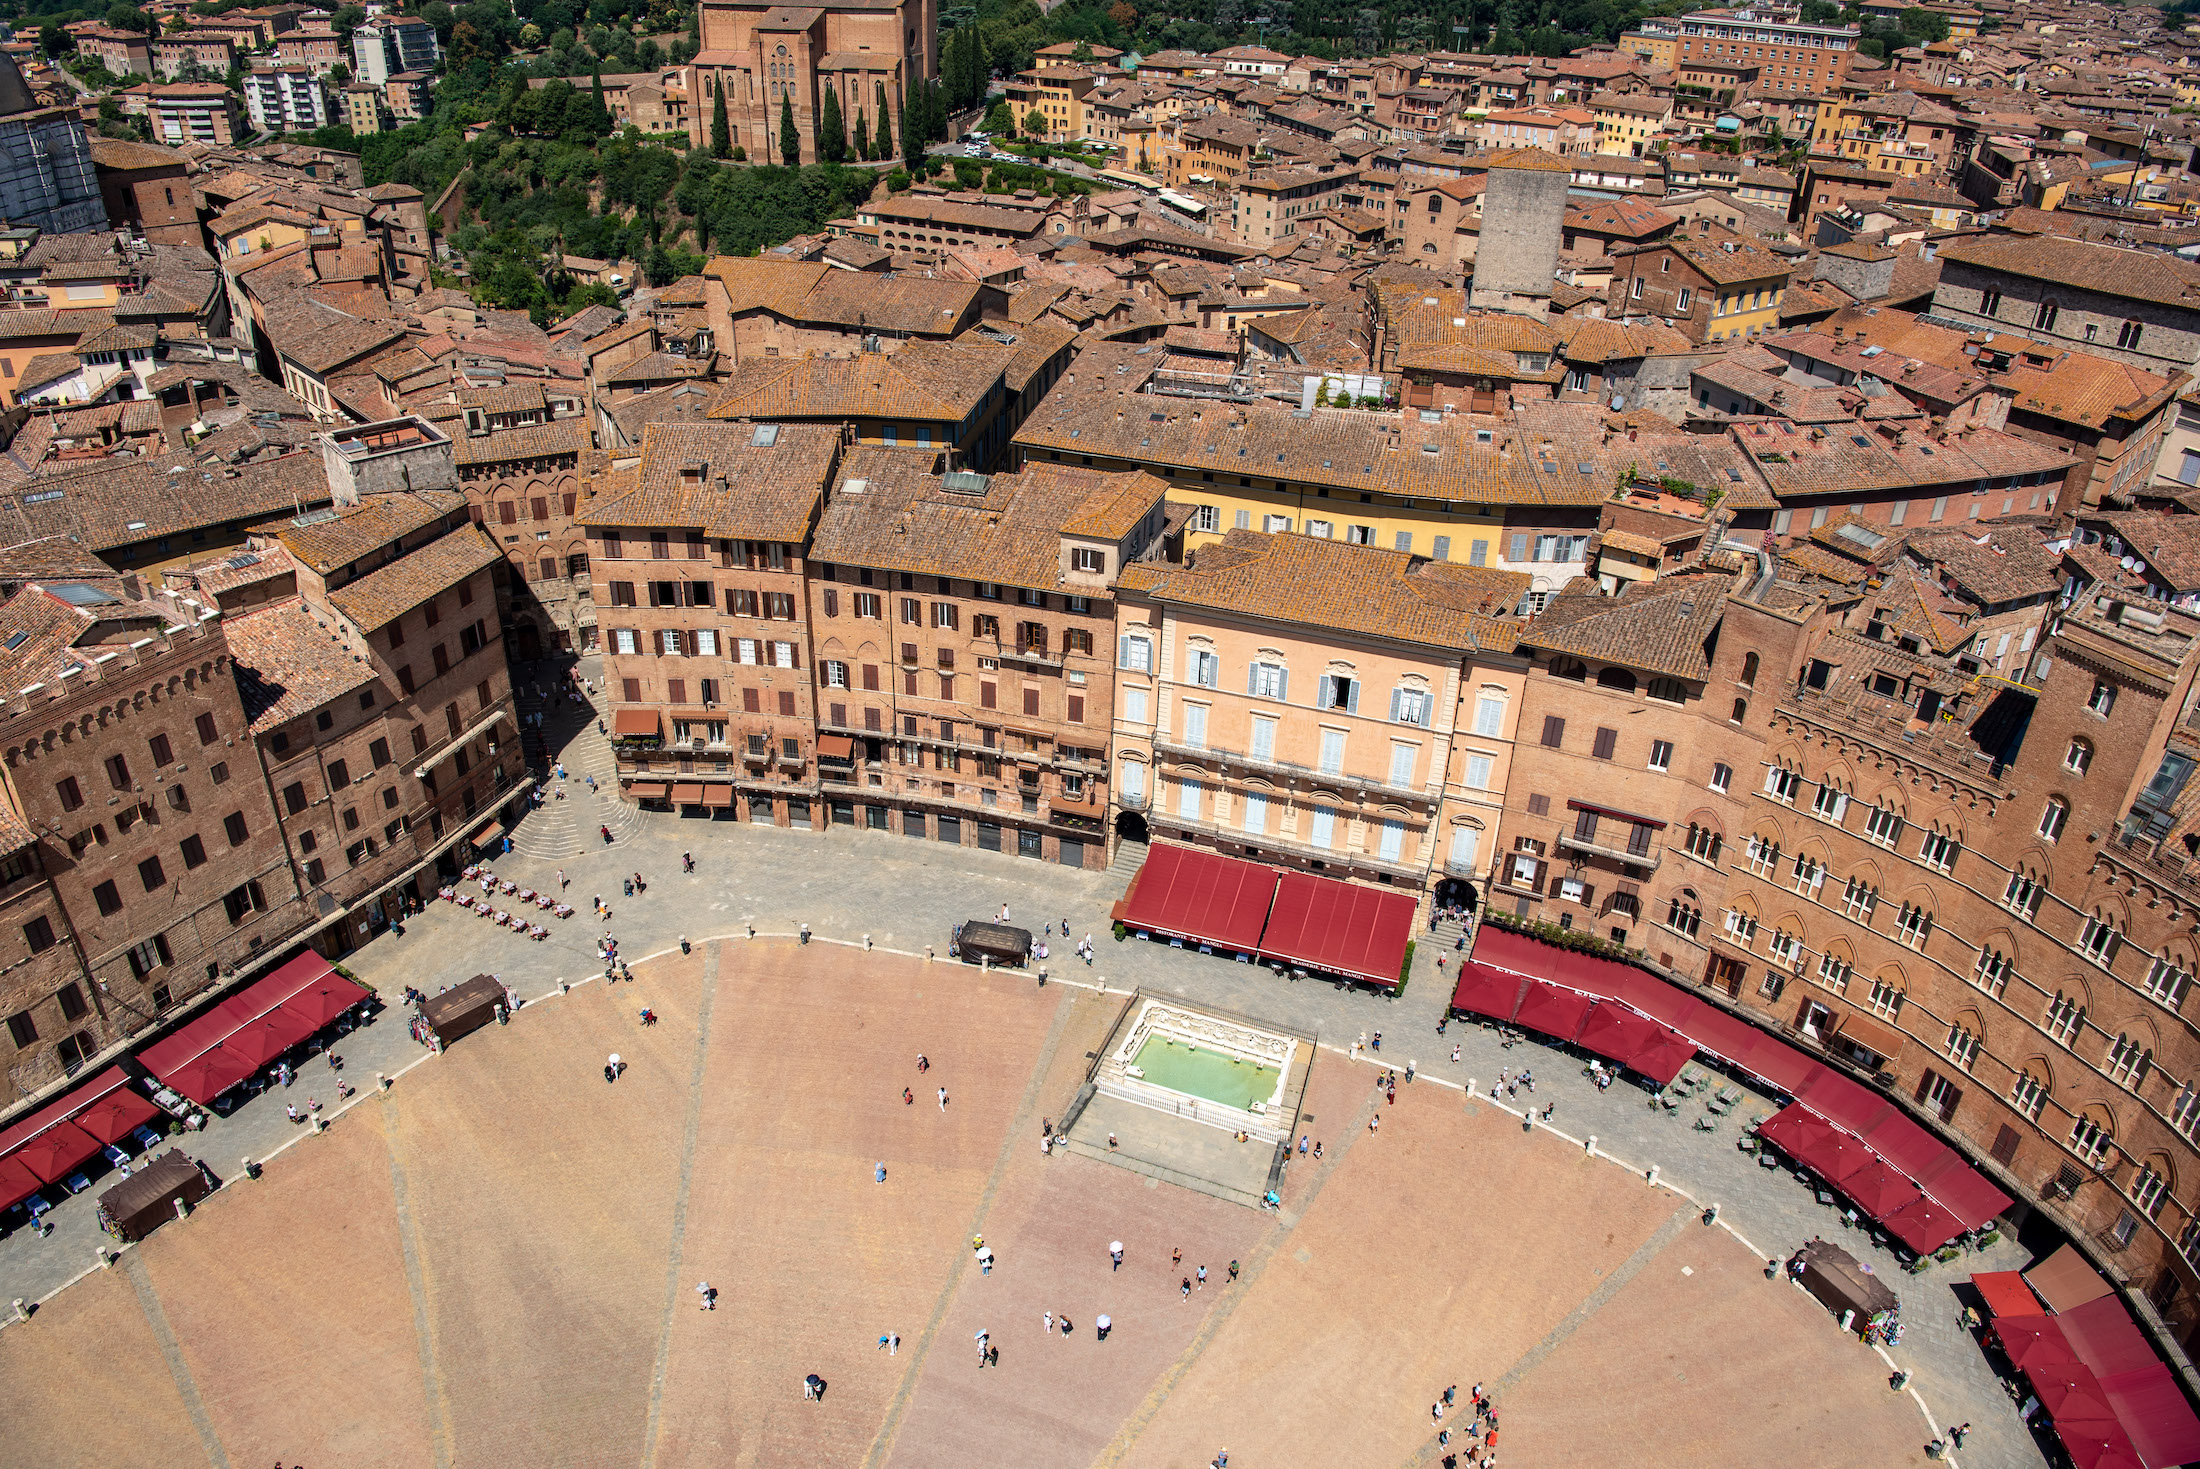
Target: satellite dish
2127	563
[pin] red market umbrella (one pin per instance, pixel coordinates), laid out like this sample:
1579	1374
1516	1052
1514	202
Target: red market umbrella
2034	1343
56	1152
1878	1190
2107	1449
1795	1129
17	1183
1924	1225
2070	1392
117	1110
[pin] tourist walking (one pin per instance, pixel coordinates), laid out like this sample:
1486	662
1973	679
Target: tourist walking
709	1293
1115	1256
943	1099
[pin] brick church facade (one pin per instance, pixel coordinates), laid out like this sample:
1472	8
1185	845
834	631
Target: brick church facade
759	54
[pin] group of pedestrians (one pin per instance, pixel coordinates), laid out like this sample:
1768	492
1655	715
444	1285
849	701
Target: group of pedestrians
1475	1425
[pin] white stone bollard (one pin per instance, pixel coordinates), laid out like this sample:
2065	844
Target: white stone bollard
320	1123
752	929
1652	1175
927	953
1711	1215
866	943
99	1253
22	1310
249	1170
1590	1148
183	1210
1474	1087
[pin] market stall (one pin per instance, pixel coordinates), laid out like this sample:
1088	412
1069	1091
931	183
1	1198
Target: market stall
1847	1287
974	941
141	1203
459	1010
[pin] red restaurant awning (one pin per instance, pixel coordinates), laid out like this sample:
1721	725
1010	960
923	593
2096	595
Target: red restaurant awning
1957	1196
647	790
836	747
2065	1281
48	1144
1553	1010
687	795
1616	1032
2139	1389
1487	991
237	1037
1924	1226
2005	1293
717	795
109	1108
634	723
1191	893
2034	1341
1343	928
1878	1189
17	1183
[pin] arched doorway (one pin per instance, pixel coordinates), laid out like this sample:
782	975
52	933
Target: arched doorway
530	641
1455	892
1130	826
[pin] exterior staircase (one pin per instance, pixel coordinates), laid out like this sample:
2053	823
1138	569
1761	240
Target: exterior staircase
557	829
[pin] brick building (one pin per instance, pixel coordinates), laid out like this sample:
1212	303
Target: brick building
144	858
1792	57
963	626
698	555
1917	829
518	459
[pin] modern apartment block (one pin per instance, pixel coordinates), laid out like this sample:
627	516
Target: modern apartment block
285	99
1788	55
389	44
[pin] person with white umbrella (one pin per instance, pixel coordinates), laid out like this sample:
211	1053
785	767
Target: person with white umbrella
1115	1254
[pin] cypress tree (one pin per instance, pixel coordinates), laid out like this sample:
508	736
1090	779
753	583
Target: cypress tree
790	142
721	136
859	137
882	147
912	125
832	133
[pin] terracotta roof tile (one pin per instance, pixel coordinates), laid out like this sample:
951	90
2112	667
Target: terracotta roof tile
747	481
290	662
382	596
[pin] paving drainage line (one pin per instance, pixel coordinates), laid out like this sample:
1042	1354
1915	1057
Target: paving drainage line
883	1443
674	1259
156	1320
416	1287
1258	1261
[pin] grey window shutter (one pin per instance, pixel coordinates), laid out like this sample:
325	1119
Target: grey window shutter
1283	684
1443	548
1352	696
1397	697
1252	678
1428	710
1123	657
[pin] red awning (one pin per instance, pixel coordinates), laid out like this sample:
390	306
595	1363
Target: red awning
1340	927
1553	1010
835	747
717	795
1878	1190
2070	1390
109	1108
2102	1336
49	1145
647	790
687	795
2155	1417
1924	1226
1794	1128
2005	1293
65	1134
1962	1192
1662	1058
1487	991
237	1037
1903	1143
17	1183
2034	1342
1191	893
1617	1033
635	723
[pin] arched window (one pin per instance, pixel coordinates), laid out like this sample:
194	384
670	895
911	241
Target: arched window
2078	757
1741	711
2129	1061
1615	678
1571	669
1749	672
2052	818
1668	690
2028	1090
2091	1134
2065	1017
1963	1039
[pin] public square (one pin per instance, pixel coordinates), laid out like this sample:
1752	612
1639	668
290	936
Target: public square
495	1260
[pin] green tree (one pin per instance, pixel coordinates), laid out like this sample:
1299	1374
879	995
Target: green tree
832	133
721	136
55	41
882	146
859	137
1000	119
912	125
790	142
1921	26
1035	123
